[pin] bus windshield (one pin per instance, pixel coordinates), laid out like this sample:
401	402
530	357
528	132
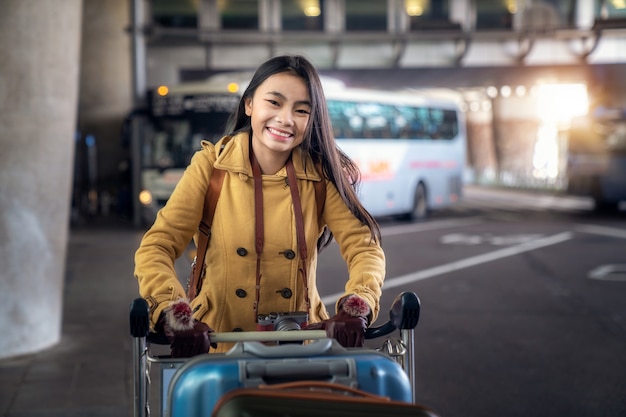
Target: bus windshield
179	122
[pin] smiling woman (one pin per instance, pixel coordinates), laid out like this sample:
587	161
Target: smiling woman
278	156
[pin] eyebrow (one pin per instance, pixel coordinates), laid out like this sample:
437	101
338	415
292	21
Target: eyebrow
282	96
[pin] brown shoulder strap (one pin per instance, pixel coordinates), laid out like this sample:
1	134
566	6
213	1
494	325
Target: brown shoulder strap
204	231
320	195
204	228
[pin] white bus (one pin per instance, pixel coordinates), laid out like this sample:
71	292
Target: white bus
410	146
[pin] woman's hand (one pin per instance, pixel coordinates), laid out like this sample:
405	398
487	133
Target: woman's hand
349	324
187	336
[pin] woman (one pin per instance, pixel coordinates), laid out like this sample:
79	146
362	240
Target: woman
254	264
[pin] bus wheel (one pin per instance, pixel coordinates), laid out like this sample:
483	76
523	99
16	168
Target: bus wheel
420	205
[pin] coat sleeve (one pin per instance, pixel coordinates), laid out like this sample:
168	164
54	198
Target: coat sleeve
174	227
364	257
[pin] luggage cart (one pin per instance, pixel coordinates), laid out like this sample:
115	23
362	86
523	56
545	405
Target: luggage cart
403	317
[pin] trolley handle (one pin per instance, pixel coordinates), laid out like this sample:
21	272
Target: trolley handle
404	314
139	318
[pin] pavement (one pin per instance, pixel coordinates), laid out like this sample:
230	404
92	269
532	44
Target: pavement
89	372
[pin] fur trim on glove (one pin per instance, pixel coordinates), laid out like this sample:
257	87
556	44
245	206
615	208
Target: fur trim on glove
355	306
178	315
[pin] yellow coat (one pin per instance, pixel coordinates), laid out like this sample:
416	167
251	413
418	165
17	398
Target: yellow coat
225	302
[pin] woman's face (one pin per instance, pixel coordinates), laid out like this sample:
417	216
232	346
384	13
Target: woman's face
279	112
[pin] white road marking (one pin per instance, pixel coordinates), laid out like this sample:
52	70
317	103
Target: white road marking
608	273
601	230
466	263
431	225
487	238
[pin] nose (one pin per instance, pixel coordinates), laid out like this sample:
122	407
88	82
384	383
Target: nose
284	117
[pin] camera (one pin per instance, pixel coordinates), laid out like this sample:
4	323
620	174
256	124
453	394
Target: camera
293	320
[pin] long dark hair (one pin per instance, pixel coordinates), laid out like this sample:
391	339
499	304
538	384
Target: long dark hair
319	141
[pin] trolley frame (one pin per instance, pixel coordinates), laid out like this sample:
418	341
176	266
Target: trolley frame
403	317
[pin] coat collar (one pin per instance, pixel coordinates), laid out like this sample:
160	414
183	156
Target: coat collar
235	157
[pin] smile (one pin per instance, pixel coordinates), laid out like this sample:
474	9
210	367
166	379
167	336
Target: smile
279	133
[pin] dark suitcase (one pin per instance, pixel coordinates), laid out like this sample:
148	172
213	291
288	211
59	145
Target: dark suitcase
200	383
312	399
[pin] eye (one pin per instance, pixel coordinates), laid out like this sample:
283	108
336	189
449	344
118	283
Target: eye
304	111
272	102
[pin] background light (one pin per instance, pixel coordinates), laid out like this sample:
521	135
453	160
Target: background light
312	11
162	90
311	8
145	197
562	102
414	7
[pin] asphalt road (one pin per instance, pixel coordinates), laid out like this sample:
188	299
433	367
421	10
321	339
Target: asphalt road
523	304
522	299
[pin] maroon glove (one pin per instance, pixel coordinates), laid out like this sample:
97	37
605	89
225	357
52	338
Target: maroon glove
187	336
349	324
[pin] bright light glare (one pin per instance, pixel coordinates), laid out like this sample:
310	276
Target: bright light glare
145	197
311	8
492	91
233	87
562	102
511	6
162	90
414	7
312	11
619	4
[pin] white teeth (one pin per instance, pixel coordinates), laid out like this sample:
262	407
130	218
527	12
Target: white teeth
276	132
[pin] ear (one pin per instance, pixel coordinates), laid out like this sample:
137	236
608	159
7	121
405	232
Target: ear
248	105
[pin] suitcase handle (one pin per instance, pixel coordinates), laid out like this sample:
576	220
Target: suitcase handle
316	348
340	371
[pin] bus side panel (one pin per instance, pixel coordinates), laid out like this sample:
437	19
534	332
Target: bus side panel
382	163
439	166
392	169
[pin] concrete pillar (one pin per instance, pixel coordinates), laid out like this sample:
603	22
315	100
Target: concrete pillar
105	99
39	46
516	125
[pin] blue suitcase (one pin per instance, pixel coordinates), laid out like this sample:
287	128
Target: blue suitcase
197	385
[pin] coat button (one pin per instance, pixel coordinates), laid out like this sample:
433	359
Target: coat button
289	254
241	293
285	293
242	251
